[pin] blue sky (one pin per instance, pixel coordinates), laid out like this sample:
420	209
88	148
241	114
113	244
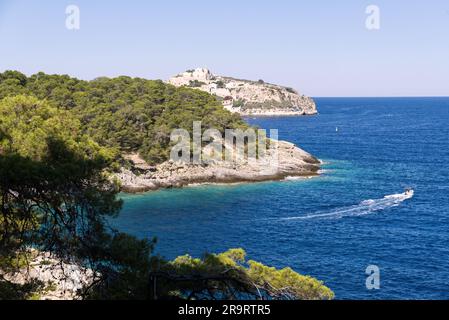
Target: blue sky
321	48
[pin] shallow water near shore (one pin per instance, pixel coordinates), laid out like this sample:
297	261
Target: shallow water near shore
335	225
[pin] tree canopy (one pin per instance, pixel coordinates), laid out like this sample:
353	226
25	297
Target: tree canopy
129	114
59	137
54	193
229	275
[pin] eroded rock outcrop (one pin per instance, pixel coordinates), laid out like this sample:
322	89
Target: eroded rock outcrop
247	97
288	160
60	280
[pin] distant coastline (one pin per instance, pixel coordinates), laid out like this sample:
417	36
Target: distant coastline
247	97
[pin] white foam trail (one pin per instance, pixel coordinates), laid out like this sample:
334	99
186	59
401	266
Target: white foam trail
296	178
363	208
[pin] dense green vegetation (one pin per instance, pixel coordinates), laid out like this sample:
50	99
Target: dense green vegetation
58	138
234	277
54	195
128	114
226	275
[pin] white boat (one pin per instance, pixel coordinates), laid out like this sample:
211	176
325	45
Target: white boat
409	193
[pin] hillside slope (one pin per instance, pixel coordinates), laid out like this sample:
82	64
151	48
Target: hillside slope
247	97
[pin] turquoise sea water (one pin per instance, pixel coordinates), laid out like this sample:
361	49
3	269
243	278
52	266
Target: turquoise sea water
333	226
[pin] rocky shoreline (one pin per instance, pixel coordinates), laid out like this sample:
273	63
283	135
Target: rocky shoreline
60	280
275	113
287	162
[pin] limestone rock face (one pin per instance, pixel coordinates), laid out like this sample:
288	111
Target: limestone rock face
247	97
62	280
288	160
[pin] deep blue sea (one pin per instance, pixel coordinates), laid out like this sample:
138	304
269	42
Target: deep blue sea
333	226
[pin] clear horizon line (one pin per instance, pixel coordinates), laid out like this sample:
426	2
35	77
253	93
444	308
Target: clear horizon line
29	74
378	97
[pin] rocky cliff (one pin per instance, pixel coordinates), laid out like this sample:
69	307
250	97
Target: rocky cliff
247	97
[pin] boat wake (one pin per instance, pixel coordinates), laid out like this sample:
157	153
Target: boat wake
363	208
